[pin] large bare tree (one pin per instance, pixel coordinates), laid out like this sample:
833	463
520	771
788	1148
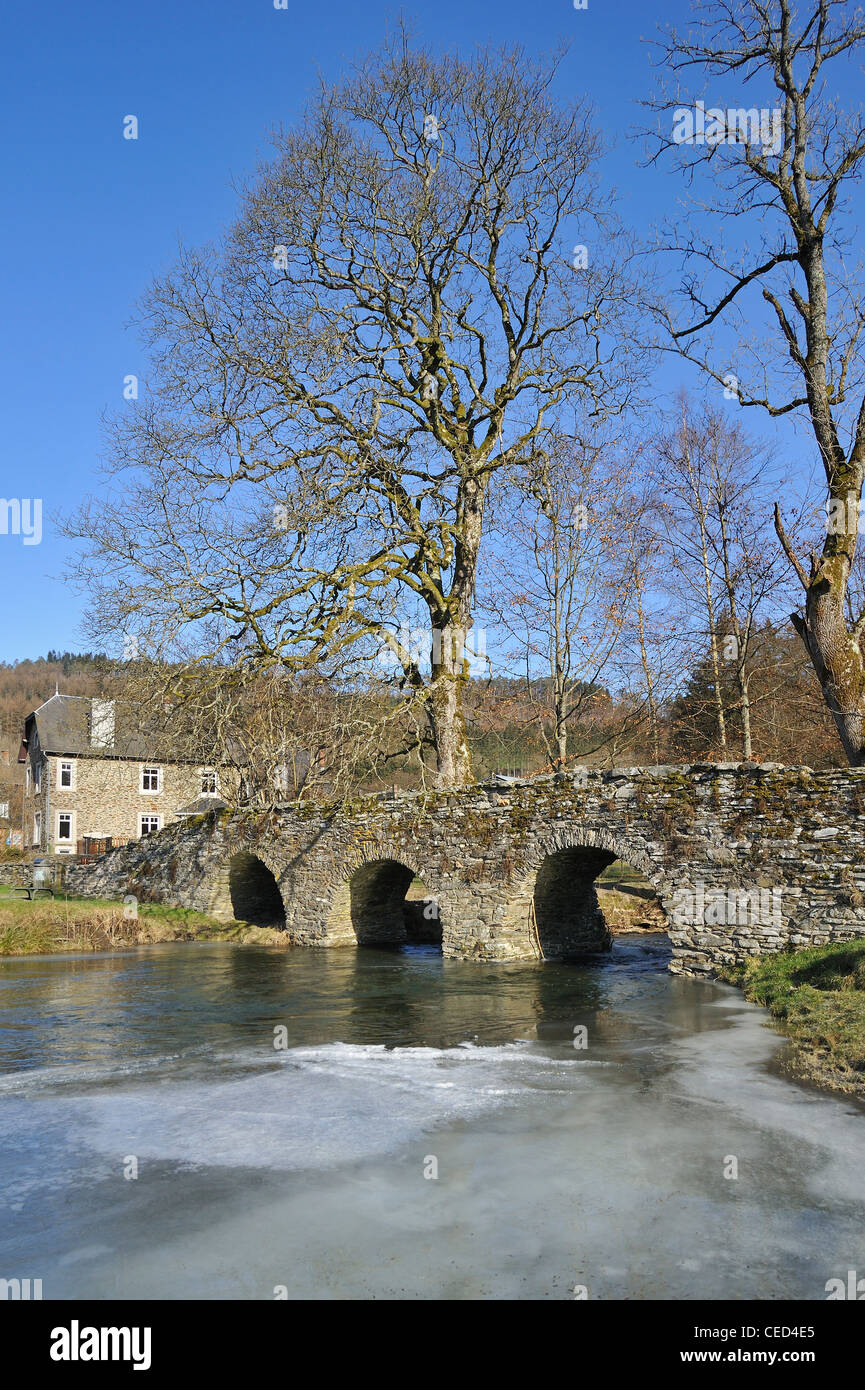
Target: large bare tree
399	312
769	260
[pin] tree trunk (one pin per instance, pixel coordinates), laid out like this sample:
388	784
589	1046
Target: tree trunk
444	707
713	642
746	715
647	670
836	657
835	650
451	625
562	742
742	640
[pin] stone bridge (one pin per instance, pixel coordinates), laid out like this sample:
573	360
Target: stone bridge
744	858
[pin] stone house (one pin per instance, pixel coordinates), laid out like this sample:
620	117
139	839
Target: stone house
92	774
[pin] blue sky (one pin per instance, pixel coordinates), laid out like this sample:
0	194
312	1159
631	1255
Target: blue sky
90	217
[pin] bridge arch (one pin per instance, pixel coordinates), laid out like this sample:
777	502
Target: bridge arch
556	902
369	904
247	889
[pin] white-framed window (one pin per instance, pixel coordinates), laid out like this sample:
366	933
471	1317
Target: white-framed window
37	778
151	778
28	780
208	781
37	828
66	775
150	825
64	827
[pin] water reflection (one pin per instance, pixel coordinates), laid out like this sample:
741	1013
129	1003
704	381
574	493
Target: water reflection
125	1007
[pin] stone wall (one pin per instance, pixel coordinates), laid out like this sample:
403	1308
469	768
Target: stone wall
20	871
16	871
744	858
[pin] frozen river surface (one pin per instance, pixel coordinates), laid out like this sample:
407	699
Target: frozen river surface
208	1121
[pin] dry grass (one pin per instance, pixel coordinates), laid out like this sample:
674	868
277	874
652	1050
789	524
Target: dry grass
85	924
630	909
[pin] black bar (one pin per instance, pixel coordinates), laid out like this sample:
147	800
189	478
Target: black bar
819	1338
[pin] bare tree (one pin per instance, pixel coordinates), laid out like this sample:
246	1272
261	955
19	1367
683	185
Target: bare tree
274	735
559	578
772	250
686	455
726	568
653	650
397	315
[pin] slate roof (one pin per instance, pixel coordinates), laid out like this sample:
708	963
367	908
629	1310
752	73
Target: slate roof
63	724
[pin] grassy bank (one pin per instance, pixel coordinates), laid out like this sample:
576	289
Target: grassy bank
818	997
90	924
630	908
627	901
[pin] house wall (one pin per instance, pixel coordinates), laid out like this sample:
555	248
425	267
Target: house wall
106	797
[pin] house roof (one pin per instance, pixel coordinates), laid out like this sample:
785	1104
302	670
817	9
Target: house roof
64	725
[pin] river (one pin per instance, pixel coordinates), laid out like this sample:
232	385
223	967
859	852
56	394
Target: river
213	1121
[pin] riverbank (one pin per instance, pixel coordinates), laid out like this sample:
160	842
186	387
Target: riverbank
817	997
51	925
630	908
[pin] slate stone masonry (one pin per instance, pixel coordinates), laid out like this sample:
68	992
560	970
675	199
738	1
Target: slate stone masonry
745	858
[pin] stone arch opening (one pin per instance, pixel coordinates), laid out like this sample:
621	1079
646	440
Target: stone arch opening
254	892
572	918
566	913
423	924
384	904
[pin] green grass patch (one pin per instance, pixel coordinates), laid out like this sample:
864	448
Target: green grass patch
818	996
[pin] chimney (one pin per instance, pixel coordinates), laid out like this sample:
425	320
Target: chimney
101	723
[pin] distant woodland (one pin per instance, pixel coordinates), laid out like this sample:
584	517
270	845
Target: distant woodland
509	721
